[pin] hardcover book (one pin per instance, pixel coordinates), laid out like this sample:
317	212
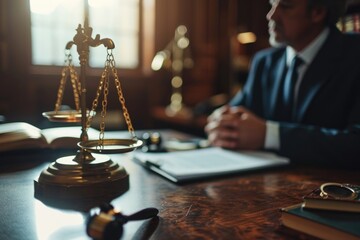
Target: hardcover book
316	201
332	225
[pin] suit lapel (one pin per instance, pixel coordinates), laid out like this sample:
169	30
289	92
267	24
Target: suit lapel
275	102
318	73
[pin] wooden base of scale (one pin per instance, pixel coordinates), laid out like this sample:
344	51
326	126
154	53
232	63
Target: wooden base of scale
71	185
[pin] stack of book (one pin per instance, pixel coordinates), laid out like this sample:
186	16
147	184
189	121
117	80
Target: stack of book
325	217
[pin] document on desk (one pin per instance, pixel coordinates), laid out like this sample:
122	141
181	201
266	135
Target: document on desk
182	166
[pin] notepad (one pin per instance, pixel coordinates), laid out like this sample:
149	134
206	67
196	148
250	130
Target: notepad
190	165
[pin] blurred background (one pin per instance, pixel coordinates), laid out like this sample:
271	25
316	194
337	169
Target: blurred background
177	60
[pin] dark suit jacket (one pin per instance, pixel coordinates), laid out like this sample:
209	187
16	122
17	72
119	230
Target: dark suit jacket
326	128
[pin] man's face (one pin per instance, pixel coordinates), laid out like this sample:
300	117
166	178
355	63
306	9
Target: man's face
290	22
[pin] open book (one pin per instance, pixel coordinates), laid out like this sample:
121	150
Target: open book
190	165
23	136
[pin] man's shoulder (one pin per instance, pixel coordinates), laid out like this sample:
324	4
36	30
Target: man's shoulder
348	42
352	36
269	53
352	40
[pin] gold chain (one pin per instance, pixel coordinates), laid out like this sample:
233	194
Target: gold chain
121	97
61	89
68	69
104	106
96	100
104	88
76	86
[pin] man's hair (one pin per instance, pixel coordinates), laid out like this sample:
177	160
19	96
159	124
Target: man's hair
335	9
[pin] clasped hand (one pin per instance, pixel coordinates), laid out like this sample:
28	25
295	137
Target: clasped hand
235	128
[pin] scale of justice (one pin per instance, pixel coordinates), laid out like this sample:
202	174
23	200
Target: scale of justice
89	174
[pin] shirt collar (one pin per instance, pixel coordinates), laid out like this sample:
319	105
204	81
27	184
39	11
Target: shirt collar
309	52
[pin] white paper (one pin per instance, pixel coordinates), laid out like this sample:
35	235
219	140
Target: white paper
210	160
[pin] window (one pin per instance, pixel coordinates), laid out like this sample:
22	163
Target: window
54	23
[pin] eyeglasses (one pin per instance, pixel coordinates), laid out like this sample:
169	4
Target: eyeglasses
338	191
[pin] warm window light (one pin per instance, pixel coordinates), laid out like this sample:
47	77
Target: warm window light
246	37
101	3
44	6
119	20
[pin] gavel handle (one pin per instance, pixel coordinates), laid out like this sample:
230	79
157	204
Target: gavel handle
143	214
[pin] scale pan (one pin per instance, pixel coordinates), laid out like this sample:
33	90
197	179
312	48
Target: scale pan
110	145
65	115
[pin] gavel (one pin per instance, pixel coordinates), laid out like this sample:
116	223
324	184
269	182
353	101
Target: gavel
108	223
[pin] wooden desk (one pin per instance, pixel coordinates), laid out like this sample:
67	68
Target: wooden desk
238	207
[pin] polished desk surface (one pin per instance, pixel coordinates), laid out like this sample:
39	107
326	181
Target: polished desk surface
244	206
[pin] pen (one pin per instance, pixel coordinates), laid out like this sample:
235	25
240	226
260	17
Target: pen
152	164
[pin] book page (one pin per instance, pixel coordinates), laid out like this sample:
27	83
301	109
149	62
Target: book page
20	135
210	160
67	137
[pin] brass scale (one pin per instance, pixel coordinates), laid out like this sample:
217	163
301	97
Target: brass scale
89	174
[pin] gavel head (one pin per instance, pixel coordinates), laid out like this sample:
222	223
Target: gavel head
104	225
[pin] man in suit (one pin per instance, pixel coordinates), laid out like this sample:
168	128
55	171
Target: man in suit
322	122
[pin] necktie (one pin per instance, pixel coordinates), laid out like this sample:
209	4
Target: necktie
289	87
